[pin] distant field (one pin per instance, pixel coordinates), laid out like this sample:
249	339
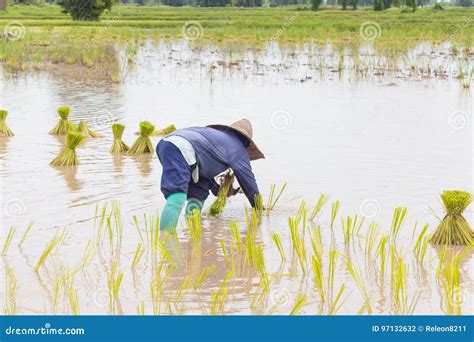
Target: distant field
256	25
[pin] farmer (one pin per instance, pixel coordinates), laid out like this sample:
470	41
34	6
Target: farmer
192	157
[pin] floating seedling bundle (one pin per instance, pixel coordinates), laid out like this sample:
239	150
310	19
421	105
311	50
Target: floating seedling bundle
164	131
143	143
219	204
64	125
4	130
118	146
67	156
453	228
86	131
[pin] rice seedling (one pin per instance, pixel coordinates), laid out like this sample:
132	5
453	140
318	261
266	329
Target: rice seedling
421	245
25	234
298	243
224	250
137	255
397	221
118	146
334	210
143	143
335	305
84	129
184	285
350	227
465	77
272	199
167	130
400	275
453	228
64	125
356	274
235	236
332	263
300	302
156	286
4	130
218	297
114	280
203	275
53	245
8	240
10	292
316	240
260	263
258	209
371	237
73	300
319	205
318	276
86	258
195	227
277	240
225	185
382	252
67	156
450	280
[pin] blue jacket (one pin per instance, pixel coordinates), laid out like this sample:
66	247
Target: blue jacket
216	151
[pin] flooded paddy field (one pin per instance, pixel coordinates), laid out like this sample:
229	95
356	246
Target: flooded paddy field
372	132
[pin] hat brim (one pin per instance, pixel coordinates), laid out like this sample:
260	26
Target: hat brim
254	152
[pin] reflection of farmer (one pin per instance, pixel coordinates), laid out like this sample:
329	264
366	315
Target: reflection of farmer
192	157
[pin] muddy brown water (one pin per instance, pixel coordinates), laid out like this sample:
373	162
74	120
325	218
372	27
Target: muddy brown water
373	142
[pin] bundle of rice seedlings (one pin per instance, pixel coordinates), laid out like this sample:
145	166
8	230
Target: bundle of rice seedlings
219	204
64	125
453	228
164	131
143	143
118	146
4	130
86	131
67	156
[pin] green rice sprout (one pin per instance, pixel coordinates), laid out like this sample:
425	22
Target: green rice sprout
465	77
8	240
64	125
184	285
298	243
53	245
316	240
224	250
350	227
118	146
371	237
10	292
167	130
25	234
335	306
356	274
218	297
137	255
318	276
453	228
400	275
195	227
114	280
236	238
86	131
381	252
73	300
143	143
450	280
421	245
4	130
219	204
258	209
279	245
323	198
203	276
300	302
332	263
260	261
67	156
397	221
272	199
334	210
156	286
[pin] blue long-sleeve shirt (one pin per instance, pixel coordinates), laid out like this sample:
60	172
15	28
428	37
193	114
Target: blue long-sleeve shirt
216	151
